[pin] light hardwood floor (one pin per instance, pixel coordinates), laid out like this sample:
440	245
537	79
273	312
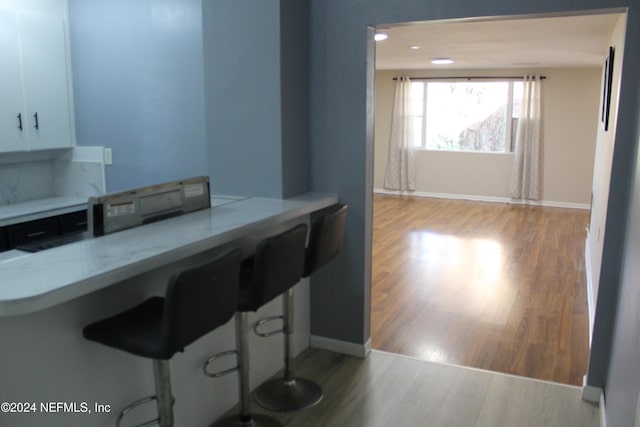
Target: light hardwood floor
386	390
491	286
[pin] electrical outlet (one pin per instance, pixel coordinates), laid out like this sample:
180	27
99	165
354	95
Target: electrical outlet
108	156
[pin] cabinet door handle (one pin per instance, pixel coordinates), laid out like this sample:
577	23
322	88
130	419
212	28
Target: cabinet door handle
35	116
37	233
20	121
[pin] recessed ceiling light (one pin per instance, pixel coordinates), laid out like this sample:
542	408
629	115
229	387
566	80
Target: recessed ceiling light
380	36
415	47
442	61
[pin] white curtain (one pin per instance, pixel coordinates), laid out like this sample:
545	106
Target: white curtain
401	172
525	173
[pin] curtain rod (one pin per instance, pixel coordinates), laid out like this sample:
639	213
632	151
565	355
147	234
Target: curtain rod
471	78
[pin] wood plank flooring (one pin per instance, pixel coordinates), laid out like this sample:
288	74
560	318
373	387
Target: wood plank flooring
491	286
390	390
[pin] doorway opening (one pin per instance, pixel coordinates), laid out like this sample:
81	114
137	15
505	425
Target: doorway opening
461	274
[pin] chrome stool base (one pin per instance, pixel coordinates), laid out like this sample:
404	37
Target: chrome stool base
256	420
284	396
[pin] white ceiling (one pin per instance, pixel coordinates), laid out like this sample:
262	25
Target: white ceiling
567	41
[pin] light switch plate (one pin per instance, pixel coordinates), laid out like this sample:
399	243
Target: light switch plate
108	156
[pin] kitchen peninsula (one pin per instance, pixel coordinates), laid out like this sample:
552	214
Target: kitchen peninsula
47	297
30	282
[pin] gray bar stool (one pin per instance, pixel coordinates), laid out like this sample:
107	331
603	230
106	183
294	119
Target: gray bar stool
277	265
290	393
197	301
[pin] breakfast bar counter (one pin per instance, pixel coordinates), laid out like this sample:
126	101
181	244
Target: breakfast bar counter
34	281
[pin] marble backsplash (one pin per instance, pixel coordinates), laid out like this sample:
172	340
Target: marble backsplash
26	181
79	173
80	179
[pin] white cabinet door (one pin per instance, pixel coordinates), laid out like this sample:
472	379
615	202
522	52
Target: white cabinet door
12	113
44	63
34	89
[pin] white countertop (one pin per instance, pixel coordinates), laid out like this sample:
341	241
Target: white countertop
31	282
40	208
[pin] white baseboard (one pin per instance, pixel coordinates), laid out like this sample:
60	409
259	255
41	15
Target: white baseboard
344	347
603	412
475	198
590	297
591	393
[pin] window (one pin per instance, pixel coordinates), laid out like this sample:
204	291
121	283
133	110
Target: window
465	116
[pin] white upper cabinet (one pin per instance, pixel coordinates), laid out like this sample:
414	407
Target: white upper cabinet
34	105
12	115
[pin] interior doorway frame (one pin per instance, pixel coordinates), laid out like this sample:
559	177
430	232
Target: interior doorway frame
617	208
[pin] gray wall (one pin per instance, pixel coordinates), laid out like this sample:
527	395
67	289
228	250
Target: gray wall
341	145
623	383
242	91
294	63
138	87
183	88
256	89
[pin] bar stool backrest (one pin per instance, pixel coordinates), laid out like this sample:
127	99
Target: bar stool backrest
326	238
277	266
200	299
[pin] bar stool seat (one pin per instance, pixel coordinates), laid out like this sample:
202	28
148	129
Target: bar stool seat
290	393
277	266
137	331
198	300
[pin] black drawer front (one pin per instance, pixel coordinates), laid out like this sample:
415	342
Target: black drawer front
73	222
31	231
4	245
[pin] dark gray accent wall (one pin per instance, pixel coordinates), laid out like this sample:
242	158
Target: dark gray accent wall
138	87
623	381
294	66
341	144
256	89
